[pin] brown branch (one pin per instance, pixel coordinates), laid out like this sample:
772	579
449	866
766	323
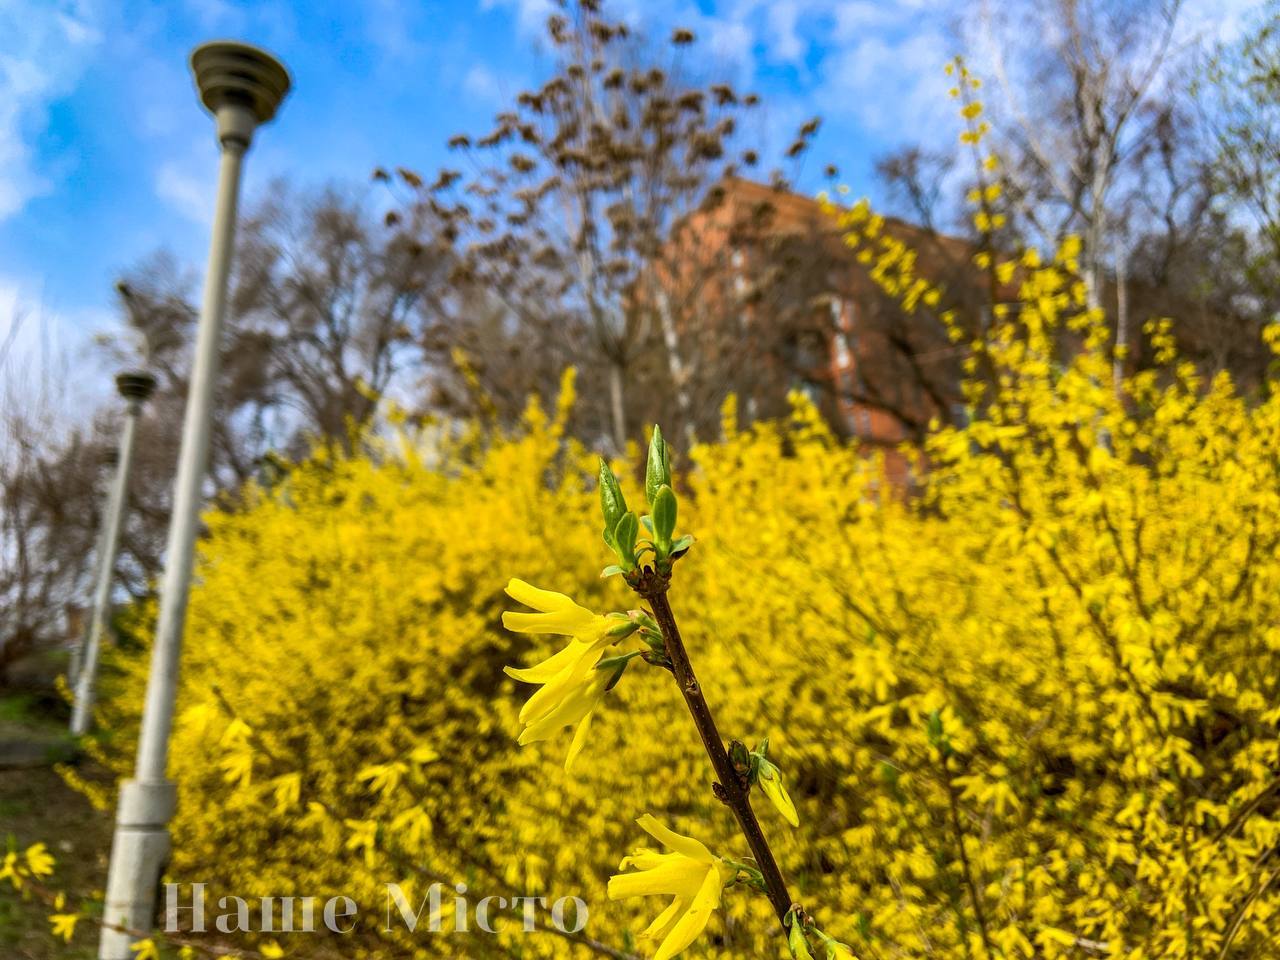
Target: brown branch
732	786
953	805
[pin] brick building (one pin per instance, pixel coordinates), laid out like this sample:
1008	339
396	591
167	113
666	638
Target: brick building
878	374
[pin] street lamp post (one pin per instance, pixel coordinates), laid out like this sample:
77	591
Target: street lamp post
242	87
110	460
135	386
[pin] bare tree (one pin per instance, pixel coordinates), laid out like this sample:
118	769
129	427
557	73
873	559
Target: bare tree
915	179
1095	67
336	303
576	211
1240	89
326	314
50	499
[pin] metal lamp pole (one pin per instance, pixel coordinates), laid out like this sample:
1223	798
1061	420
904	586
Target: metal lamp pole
242	87
110	460
135	386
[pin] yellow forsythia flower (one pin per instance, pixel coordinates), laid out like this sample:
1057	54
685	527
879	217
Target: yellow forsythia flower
39	862
571	686
1077	622
64	925
690	874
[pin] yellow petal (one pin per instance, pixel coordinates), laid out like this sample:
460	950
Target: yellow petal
572	679
579	741
687	845
646	859
542	600
570	709
563	622
547	669
663	922
679	876
694	920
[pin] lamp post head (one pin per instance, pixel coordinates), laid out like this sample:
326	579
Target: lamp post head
135	385
240	85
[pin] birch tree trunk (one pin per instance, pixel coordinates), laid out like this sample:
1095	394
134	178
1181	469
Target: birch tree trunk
676	365
617	405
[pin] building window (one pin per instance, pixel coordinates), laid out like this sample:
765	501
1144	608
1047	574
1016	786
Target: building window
843	354
846	386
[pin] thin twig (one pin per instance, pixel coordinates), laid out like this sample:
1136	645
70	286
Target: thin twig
732	786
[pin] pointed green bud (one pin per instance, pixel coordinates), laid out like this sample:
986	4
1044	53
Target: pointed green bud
624	540
664	519
658	470
612	503
618	666
769	779
681	546
834	949
796	941
624	629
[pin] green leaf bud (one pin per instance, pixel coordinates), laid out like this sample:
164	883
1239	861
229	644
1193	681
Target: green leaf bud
613	505
664	519
658	470
624	540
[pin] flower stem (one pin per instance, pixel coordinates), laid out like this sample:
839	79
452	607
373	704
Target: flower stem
732	786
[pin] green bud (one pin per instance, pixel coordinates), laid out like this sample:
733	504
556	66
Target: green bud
681	546
658	470
618	666
833	948
796	941
769	779
664	519
624	629
612	503
624	540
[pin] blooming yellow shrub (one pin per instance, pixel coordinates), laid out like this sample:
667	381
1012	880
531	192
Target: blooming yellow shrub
1031	713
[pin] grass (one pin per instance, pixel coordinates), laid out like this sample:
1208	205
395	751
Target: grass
37	806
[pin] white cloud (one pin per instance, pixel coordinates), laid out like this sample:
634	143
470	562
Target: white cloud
482	84
783	19
530	14
216	14
895	88
44	48
1223	21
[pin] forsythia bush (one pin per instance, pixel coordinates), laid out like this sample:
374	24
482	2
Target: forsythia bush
1032	712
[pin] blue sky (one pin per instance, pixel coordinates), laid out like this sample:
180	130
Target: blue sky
105	155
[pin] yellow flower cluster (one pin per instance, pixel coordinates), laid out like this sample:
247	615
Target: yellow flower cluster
1032	714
